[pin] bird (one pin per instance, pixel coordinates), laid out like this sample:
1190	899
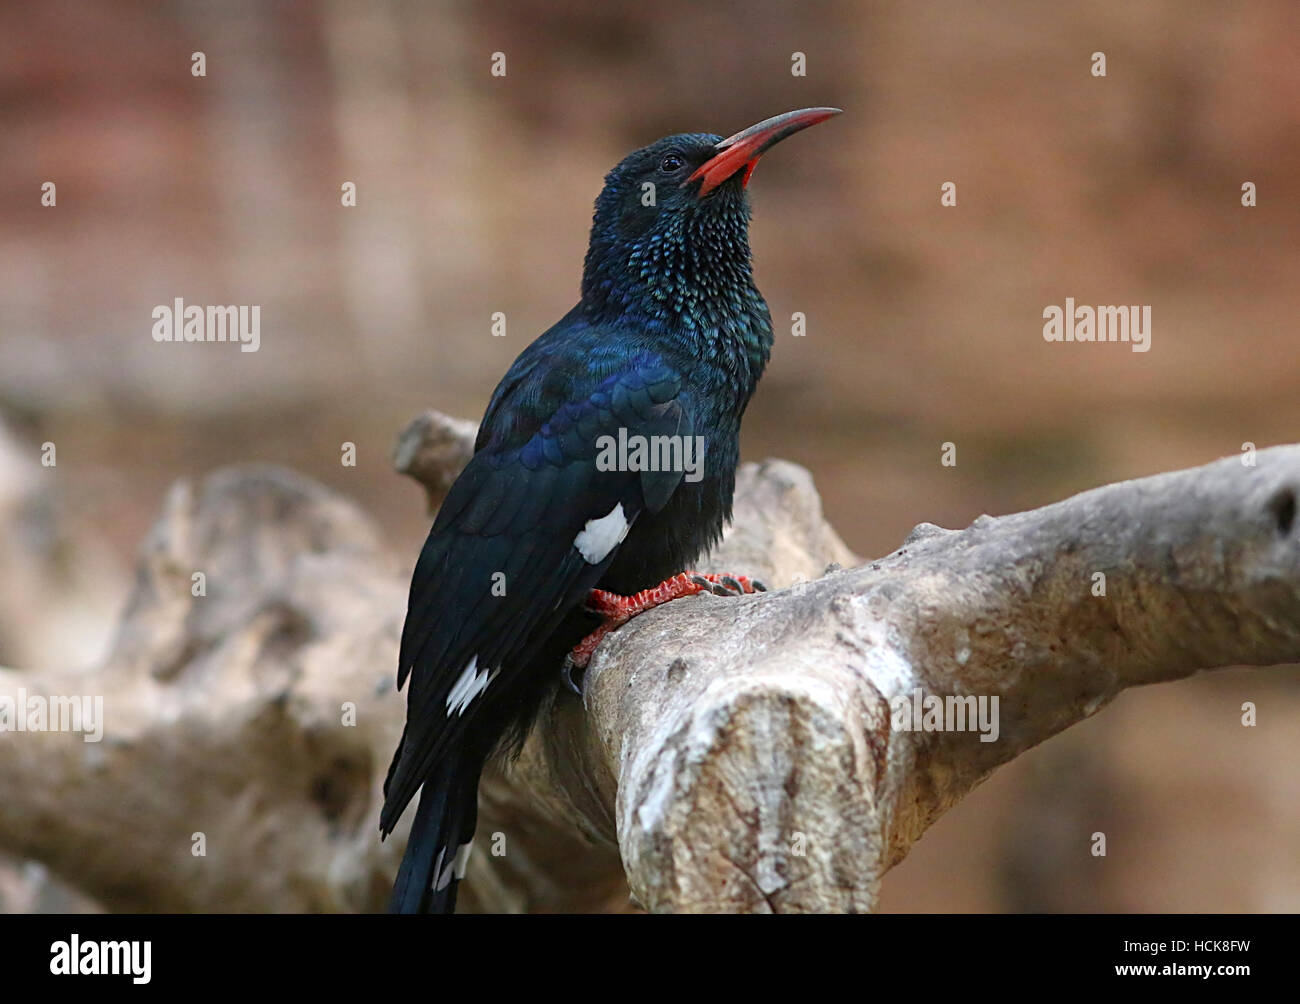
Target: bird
549	539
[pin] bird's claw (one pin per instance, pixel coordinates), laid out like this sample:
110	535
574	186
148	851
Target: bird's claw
616	610
716	588
728	585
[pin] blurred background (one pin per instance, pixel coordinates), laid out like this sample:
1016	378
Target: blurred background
474	196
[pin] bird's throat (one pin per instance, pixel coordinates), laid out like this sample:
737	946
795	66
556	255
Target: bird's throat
687	283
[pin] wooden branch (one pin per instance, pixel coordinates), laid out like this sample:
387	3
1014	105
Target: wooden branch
733	754
757	765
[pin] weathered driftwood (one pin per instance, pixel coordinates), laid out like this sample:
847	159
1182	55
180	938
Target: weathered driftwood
733	754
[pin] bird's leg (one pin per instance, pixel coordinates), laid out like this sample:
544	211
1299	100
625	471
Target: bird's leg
616	610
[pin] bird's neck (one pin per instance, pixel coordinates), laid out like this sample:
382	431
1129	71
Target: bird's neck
688	287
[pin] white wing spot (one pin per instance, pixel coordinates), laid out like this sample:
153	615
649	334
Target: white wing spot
600	536
472	682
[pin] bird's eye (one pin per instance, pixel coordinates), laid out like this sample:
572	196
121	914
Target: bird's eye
670	163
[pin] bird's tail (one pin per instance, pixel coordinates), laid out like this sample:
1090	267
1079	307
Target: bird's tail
438	848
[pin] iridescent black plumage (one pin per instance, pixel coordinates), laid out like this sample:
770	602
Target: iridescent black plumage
669	339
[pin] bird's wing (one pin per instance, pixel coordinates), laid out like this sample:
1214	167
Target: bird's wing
528	528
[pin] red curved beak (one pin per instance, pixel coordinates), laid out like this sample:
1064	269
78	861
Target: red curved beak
741	151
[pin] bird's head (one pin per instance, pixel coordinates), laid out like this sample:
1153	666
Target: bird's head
672	221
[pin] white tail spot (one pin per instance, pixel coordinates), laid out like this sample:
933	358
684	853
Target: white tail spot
455	867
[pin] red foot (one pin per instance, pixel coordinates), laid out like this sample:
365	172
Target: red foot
618	610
